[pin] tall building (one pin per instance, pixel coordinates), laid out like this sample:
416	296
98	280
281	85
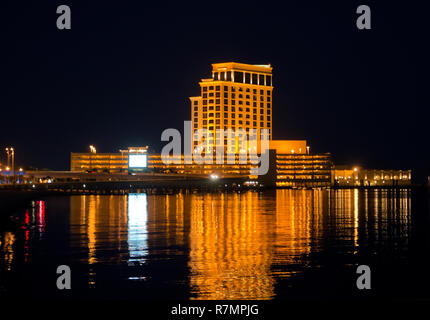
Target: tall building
237	96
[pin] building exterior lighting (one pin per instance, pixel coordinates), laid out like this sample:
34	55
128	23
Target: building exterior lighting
238	83
93	149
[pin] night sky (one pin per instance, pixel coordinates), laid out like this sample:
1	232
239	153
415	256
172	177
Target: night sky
125	71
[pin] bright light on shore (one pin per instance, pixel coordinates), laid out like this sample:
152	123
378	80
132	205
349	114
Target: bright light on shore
214	176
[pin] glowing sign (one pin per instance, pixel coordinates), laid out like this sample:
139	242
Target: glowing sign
137	161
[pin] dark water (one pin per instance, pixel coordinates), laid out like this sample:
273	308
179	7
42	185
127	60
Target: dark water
284	244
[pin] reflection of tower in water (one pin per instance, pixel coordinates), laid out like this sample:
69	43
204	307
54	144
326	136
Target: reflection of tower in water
298	226
231	246
235	244
240	242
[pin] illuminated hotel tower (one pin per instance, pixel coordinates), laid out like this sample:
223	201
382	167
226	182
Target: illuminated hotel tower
238	96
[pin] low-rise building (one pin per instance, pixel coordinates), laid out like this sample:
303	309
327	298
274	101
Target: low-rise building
290	164
357	176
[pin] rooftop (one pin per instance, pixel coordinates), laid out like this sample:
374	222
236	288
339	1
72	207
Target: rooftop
225	66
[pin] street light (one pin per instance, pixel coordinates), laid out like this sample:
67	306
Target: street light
8	157
11	154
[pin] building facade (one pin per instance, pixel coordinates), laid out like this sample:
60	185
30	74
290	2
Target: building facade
237	97
356	176
295	166
128	160
120	163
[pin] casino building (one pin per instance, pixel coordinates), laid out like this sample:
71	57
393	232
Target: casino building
237	97
287	168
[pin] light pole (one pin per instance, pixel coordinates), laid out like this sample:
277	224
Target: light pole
11	153
8	157
13	165
7	170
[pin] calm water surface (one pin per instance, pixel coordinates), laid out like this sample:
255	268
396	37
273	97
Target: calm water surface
251	245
